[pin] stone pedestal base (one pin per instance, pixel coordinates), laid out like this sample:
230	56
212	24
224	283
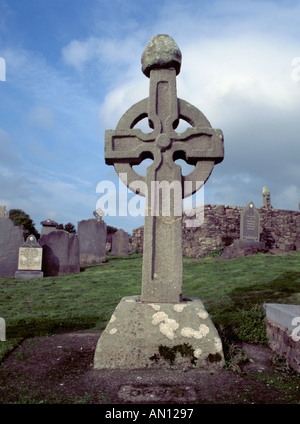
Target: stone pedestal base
29	275
159	335
244	244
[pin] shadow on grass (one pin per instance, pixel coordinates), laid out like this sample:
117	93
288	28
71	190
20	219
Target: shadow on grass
278	290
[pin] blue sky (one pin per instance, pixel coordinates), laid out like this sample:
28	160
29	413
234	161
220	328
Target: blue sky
73	69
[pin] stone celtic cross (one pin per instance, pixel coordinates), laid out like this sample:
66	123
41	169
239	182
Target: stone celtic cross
198	145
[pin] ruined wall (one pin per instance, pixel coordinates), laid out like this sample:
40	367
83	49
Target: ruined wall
278	228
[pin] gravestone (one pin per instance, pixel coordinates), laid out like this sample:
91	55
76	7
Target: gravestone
30	259
48	226
60	253
266	198
92	241
250	228
3	212
120	243
160	316
249	242
250	224
11	238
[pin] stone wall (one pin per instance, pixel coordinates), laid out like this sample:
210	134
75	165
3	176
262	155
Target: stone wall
281	341
278	229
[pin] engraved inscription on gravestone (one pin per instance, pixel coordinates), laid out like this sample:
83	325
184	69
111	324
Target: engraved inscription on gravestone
30	259
250	223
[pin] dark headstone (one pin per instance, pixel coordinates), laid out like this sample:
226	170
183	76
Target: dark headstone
92	241
249	242
250	223
120	243
60	253
11	238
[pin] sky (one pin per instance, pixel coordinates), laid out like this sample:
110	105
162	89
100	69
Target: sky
71	69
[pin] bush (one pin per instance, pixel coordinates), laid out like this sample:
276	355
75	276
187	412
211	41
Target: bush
251	326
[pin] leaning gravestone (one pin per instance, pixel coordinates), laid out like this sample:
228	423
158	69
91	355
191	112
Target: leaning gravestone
92	241
144	331
11	238
120	243
30	259
60	253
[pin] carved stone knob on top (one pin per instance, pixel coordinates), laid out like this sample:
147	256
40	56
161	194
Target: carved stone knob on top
161	52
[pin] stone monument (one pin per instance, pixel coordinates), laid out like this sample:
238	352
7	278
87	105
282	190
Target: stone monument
120	243
3	212
11	238
250	228
266	198
48	226
92	241
250	224
60	253
143	328
249	242
30	259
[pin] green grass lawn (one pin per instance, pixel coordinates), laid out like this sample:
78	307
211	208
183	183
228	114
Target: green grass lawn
233	291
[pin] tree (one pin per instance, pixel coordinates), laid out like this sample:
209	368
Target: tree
19	217
110	229
70	228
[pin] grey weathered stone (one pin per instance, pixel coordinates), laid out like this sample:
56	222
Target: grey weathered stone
282	327
137	329
199	145
60	253
30	259
98	214
221	227
266	198
92	241
11	238
120	243
3	212
161	52
48	226
250	223
249	242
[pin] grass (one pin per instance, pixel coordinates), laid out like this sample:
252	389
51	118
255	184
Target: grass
233	291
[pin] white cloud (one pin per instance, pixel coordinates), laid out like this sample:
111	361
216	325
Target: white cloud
42	116
9	154
77	53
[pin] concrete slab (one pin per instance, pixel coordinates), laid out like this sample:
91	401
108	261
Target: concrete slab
282	314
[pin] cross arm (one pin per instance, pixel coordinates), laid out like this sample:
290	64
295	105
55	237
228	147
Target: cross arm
128	146
199	144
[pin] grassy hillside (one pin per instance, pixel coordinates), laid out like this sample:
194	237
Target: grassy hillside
233	291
